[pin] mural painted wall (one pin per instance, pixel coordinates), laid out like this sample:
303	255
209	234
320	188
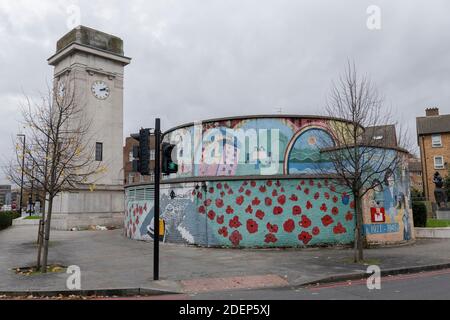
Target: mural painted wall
260	146
261	213
391	205
265	212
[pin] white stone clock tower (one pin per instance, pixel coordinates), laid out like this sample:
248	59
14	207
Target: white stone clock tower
93	63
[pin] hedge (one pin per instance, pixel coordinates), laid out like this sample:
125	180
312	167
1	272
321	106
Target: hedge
419	214
6	219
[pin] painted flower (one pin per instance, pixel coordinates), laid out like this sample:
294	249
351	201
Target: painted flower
207	202
309	205
270	238
229	210
335	199
305	237
256	201
345	198
248	193
274	193
211	215
249	209
240	200
327	220
252	226
268	201
201	209
324	207
260	214
269	183
289	225
316	195
262	189
326	195
335	211
235	238
277	210
349	216
311	183
305	222
315	231
219	186
296	210
306	191
220	219
339	229
293	198
352	204
273	228
219	203
282	199
211	190
235	223
223	232
253	184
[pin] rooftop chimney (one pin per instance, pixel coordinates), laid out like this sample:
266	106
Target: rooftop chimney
432	112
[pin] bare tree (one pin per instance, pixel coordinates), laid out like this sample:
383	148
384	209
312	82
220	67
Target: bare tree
58	151
367	149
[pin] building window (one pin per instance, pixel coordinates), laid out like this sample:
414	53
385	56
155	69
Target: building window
439	162
130	177
98	151
152	154
130	156
436	140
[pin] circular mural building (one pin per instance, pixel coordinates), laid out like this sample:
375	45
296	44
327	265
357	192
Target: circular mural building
262	181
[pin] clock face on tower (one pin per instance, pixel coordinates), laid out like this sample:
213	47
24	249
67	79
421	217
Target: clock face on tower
100	90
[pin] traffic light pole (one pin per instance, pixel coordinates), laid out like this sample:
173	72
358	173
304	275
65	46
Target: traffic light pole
156	206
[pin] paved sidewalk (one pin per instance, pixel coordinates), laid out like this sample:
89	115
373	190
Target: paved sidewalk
108	260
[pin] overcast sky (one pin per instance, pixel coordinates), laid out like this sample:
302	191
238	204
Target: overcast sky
200	59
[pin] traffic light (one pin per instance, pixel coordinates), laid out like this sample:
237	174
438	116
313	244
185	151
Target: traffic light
168	164
141	152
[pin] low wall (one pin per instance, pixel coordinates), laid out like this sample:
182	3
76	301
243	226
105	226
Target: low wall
25	222
441	233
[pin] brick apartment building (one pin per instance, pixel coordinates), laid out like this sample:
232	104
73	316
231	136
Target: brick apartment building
433	137
415	174
131	177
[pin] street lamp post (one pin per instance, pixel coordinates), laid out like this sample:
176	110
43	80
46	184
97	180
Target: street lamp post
23	169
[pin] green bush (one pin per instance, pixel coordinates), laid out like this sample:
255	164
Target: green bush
419	214
6	219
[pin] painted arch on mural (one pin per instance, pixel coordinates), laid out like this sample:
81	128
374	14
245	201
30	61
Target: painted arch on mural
304	156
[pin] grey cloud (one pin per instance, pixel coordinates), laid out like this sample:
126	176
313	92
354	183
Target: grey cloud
201	59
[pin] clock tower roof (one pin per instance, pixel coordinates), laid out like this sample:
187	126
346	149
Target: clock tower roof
92	41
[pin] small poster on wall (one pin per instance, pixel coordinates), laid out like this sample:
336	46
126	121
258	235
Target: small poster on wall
378	214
